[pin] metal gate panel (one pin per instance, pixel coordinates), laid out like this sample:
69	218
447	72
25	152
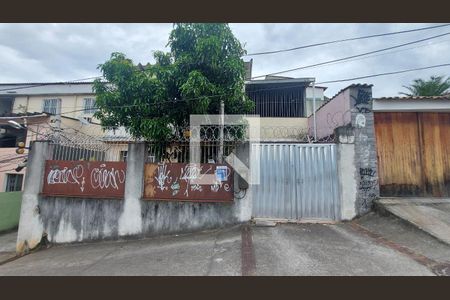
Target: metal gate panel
297	181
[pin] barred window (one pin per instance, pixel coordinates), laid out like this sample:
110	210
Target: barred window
277	101
50	105
14	182
89	106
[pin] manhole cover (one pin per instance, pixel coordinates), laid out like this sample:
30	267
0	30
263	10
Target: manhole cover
441	269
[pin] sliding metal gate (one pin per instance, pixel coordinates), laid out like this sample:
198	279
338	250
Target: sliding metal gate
297	181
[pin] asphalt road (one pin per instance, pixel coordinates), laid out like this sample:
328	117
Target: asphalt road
286	249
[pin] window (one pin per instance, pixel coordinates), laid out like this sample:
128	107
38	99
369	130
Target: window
123	155
277	101
89	105
50	106
14	182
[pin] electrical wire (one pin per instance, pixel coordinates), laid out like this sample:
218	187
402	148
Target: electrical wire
381	54
290	86
48	83
345	40
384	74
353	56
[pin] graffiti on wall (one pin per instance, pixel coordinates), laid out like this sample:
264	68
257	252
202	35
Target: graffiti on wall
83	178
367	185
180	181
363	101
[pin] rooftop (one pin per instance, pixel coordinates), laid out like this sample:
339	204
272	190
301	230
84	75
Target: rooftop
443	97
45	88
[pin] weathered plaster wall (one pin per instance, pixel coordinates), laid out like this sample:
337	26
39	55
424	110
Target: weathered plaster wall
358	170
361	103
65	220
31	228
333	114
347	179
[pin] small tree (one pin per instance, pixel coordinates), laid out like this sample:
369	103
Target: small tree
435	86
203	68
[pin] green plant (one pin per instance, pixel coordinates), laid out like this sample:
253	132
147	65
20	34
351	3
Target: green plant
435	86
203	68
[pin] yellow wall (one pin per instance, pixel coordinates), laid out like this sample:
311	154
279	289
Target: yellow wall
71	106
69	103
281	129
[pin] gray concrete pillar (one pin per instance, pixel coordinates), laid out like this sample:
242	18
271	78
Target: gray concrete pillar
31	228
365	147
130	221
243	192
347	173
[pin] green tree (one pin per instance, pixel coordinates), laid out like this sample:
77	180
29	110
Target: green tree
435	86
203	68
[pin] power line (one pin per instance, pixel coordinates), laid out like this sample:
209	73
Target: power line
381	54
354	56
362	77
384	74
345	40
48	83
278	88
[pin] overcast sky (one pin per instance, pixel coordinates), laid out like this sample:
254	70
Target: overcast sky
62	52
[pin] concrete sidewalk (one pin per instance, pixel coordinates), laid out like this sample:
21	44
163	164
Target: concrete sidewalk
431	215
286	249
7	245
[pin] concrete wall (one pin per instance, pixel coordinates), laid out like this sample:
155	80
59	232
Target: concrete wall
65	220
71	106
358	166
347	179
279	129
9	210
333	114
69	103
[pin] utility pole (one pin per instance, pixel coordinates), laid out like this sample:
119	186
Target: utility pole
58	119
222	121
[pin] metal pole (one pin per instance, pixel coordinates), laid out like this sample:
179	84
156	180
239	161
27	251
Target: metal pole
314	109
222	120
58	119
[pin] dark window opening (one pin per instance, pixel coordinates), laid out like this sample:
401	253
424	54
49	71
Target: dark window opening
277	101
10	137
14	182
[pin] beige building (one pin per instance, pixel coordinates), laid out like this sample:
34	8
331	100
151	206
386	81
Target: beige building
284	104
28	111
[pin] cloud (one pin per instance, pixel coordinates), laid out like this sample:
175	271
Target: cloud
59	52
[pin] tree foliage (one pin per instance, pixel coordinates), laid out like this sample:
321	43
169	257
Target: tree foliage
435	86
203	68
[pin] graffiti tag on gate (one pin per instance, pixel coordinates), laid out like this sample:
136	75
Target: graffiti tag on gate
82	178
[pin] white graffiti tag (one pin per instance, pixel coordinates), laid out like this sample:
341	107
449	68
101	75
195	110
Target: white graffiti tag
66	175
192	172
104	178
163	175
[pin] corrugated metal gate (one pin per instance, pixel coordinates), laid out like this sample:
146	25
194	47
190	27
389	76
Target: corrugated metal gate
297	181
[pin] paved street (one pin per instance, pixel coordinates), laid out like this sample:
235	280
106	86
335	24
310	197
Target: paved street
286	249
8	245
